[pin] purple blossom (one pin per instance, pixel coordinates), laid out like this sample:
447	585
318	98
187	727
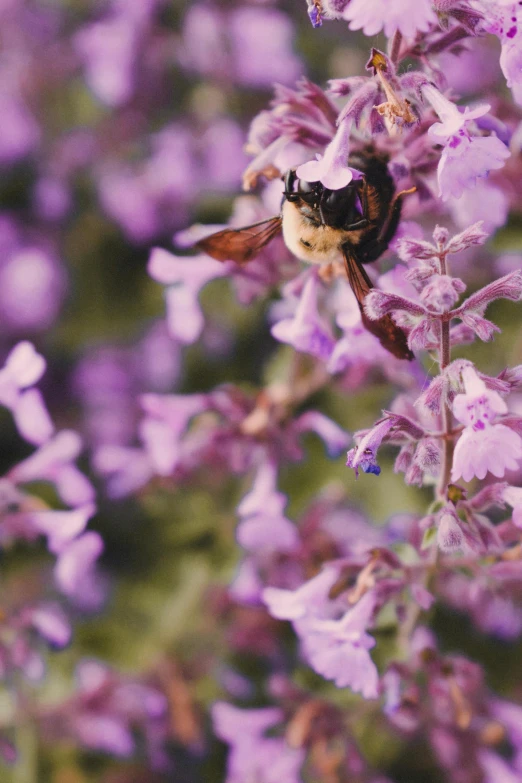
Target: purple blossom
74	571
185	277
108	50
167	419
22	369
332	169
465	157
263	525
308	600
54	462
20	132
513	496
364	456
339	649
306	331
334	437
484	445
406	16
32	287
254	756
442	292
51	623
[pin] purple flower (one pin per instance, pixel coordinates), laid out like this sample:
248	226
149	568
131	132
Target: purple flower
253	756
105	733
185	278
452	120
74	570
54	462
61	527
479	405
32	286
495	449
442	292
513	496
263	526
51	623
126	470
332	169
23	368
483	446
19	132
485	203
108	50
306	331
407	16
334	437
364	456
338	649
308	600
168	416
465	157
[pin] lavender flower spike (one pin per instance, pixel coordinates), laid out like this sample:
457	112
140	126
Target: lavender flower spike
332	168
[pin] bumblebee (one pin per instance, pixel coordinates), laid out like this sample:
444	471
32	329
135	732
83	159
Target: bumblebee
353	224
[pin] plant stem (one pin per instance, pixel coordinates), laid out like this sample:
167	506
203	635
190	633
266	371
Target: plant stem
447	416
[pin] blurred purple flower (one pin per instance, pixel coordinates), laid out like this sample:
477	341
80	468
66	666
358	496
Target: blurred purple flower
406	16
249	45
263	526
54	462
254	756
23	368
306	331
32	287
19	131
74	570
338	649
185	277
108	51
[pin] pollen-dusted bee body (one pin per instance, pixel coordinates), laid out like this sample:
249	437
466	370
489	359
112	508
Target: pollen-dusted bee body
354	223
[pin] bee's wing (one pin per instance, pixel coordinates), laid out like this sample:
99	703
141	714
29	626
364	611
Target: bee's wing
388	333
240	244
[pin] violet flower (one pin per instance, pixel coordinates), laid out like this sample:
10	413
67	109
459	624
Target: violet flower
405	16
22	369
254	756
484	445
332	169
364	456
306	330
465	157
263	526
339	649
185	277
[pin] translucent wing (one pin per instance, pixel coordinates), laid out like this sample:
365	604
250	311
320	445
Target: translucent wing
387	332
240	244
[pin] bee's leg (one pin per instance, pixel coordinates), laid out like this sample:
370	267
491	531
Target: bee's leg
371	250
362	223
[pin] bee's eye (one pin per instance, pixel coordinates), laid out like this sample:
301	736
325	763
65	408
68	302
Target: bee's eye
305	188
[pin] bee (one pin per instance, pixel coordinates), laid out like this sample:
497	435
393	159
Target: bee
353	225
